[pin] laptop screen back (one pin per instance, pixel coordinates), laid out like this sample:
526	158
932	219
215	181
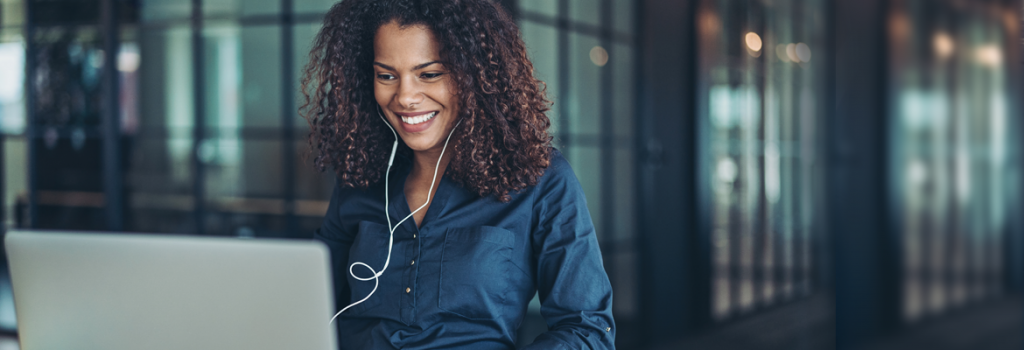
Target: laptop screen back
121	291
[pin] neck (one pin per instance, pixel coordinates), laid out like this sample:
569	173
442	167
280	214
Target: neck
424	162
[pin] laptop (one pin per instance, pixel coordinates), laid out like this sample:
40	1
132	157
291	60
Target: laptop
113	291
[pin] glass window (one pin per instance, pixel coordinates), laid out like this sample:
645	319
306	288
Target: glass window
586	163
12	120
260	82
585	12
584	93
620	61
546	7
159	170
303	35
313	6
955	149
165	10
757	96
240	8
542	44
12	91
623	16
12	13
242	154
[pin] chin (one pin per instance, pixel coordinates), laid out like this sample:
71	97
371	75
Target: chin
423	145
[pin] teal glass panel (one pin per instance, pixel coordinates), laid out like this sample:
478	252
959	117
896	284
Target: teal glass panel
623	86
313	6
303	35
624	13
546	7
542	46
586	163
165	10
585	11
584	99
260	81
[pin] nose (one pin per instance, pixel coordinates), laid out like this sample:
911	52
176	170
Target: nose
409	93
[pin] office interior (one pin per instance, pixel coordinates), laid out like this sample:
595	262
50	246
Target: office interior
762	174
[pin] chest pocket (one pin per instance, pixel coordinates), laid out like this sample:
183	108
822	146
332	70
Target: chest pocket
475	267
370	247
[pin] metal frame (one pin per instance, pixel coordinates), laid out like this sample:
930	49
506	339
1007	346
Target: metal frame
287	113
3	162
30	109
199	118
113	184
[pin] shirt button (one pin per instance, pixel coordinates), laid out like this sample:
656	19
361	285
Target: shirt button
413	262
609	329
413	235
408	290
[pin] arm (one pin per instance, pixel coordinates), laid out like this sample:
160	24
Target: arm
338	240
575	294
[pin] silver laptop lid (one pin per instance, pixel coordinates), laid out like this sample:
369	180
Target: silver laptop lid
122	291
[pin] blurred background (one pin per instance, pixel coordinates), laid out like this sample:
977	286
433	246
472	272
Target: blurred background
763	174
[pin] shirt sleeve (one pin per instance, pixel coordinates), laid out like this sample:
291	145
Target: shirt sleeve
338	240
574	291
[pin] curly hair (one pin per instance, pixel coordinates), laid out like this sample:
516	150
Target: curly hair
502	145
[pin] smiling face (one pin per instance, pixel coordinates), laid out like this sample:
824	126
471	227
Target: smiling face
412	86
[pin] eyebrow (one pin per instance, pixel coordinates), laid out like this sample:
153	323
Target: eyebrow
418	67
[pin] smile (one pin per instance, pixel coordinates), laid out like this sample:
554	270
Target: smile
419	119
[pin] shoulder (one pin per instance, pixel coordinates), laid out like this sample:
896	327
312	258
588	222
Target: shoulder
347	202
558	177
559	166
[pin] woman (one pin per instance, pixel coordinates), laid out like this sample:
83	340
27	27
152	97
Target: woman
451	209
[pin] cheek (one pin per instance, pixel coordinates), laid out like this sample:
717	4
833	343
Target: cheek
445	96
380	94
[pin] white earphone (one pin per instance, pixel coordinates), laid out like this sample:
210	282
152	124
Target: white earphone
391	229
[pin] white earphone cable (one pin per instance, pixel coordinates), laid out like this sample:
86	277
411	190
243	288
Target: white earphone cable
391	229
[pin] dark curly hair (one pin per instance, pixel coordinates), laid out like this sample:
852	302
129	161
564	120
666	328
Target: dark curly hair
502	144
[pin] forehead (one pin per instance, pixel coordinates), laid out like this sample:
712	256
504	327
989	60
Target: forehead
397	46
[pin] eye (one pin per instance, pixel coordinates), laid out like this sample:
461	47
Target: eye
431	75
385	76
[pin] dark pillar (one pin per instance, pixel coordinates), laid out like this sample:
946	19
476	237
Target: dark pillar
1015	235
861	223
672	240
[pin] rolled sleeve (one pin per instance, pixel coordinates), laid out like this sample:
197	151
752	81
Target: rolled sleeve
575	294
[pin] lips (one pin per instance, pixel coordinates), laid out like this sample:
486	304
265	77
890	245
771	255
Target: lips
417	122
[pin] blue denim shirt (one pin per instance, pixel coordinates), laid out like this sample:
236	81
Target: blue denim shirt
464	278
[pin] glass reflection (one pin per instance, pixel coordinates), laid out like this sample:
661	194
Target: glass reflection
12	68
758	91
953	136
242	154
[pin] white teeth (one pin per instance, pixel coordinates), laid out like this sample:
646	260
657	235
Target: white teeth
418	119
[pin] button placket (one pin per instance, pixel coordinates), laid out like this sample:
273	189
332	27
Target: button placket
411	251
